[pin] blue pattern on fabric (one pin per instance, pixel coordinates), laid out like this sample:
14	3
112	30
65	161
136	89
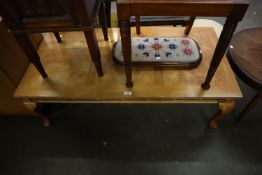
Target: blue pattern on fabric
141	46
146	54
172	46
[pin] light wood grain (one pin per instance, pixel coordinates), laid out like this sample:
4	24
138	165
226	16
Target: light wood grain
72	76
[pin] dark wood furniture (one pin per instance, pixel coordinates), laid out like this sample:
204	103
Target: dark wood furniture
162	20
28	16
10	73
138	21
233	10
245	57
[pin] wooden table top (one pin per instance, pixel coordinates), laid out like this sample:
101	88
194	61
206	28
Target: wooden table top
72	76
246	53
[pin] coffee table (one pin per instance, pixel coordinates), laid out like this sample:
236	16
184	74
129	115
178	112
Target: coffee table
71	76
233	10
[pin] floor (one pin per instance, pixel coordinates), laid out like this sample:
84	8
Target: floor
131	139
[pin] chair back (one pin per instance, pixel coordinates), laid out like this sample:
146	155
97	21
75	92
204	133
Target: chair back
44	14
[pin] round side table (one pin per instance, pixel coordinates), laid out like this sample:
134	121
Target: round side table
245	57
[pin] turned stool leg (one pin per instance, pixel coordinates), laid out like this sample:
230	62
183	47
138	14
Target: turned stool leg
108	13
223	41
126	48
58	37
249	106
94	50
189	25
25	43
102	20
138	31
224	108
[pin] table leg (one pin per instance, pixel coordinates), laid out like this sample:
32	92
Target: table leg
189	25
138	31
103	21
94	50
58	37
108	13
250	105
220	50
32	106
126	49
224	108
25	43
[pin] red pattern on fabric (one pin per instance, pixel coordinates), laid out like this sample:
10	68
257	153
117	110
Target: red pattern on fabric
156	46
188	51
185	42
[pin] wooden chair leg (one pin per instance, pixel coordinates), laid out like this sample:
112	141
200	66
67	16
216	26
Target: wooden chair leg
94	50
224	108
189	25
108	13
25	43
138	31
58	37
249	106
102	20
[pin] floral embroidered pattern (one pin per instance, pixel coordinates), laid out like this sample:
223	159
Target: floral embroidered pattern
168	54
146	54
187	51
156	46
185	42
141	46
162	49
172	46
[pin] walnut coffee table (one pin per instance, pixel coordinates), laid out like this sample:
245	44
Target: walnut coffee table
72	77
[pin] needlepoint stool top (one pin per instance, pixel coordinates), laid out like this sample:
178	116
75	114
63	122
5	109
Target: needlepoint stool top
168	50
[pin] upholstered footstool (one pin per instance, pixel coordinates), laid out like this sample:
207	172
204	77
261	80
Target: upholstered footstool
179	52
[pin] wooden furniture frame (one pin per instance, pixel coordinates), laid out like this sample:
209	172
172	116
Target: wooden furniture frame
159	22
38	16
244	55
233	10
137	22
10	73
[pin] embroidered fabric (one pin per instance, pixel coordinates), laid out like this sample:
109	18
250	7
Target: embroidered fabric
157	49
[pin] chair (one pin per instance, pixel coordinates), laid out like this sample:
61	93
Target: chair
153	20
244	55
38	16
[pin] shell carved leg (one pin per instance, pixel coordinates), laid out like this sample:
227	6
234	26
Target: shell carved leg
224	108
33	106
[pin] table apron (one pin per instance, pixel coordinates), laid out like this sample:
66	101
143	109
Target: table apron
131	101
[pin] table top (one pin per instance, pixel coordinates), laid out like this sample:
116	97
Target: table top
72	75
246	52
